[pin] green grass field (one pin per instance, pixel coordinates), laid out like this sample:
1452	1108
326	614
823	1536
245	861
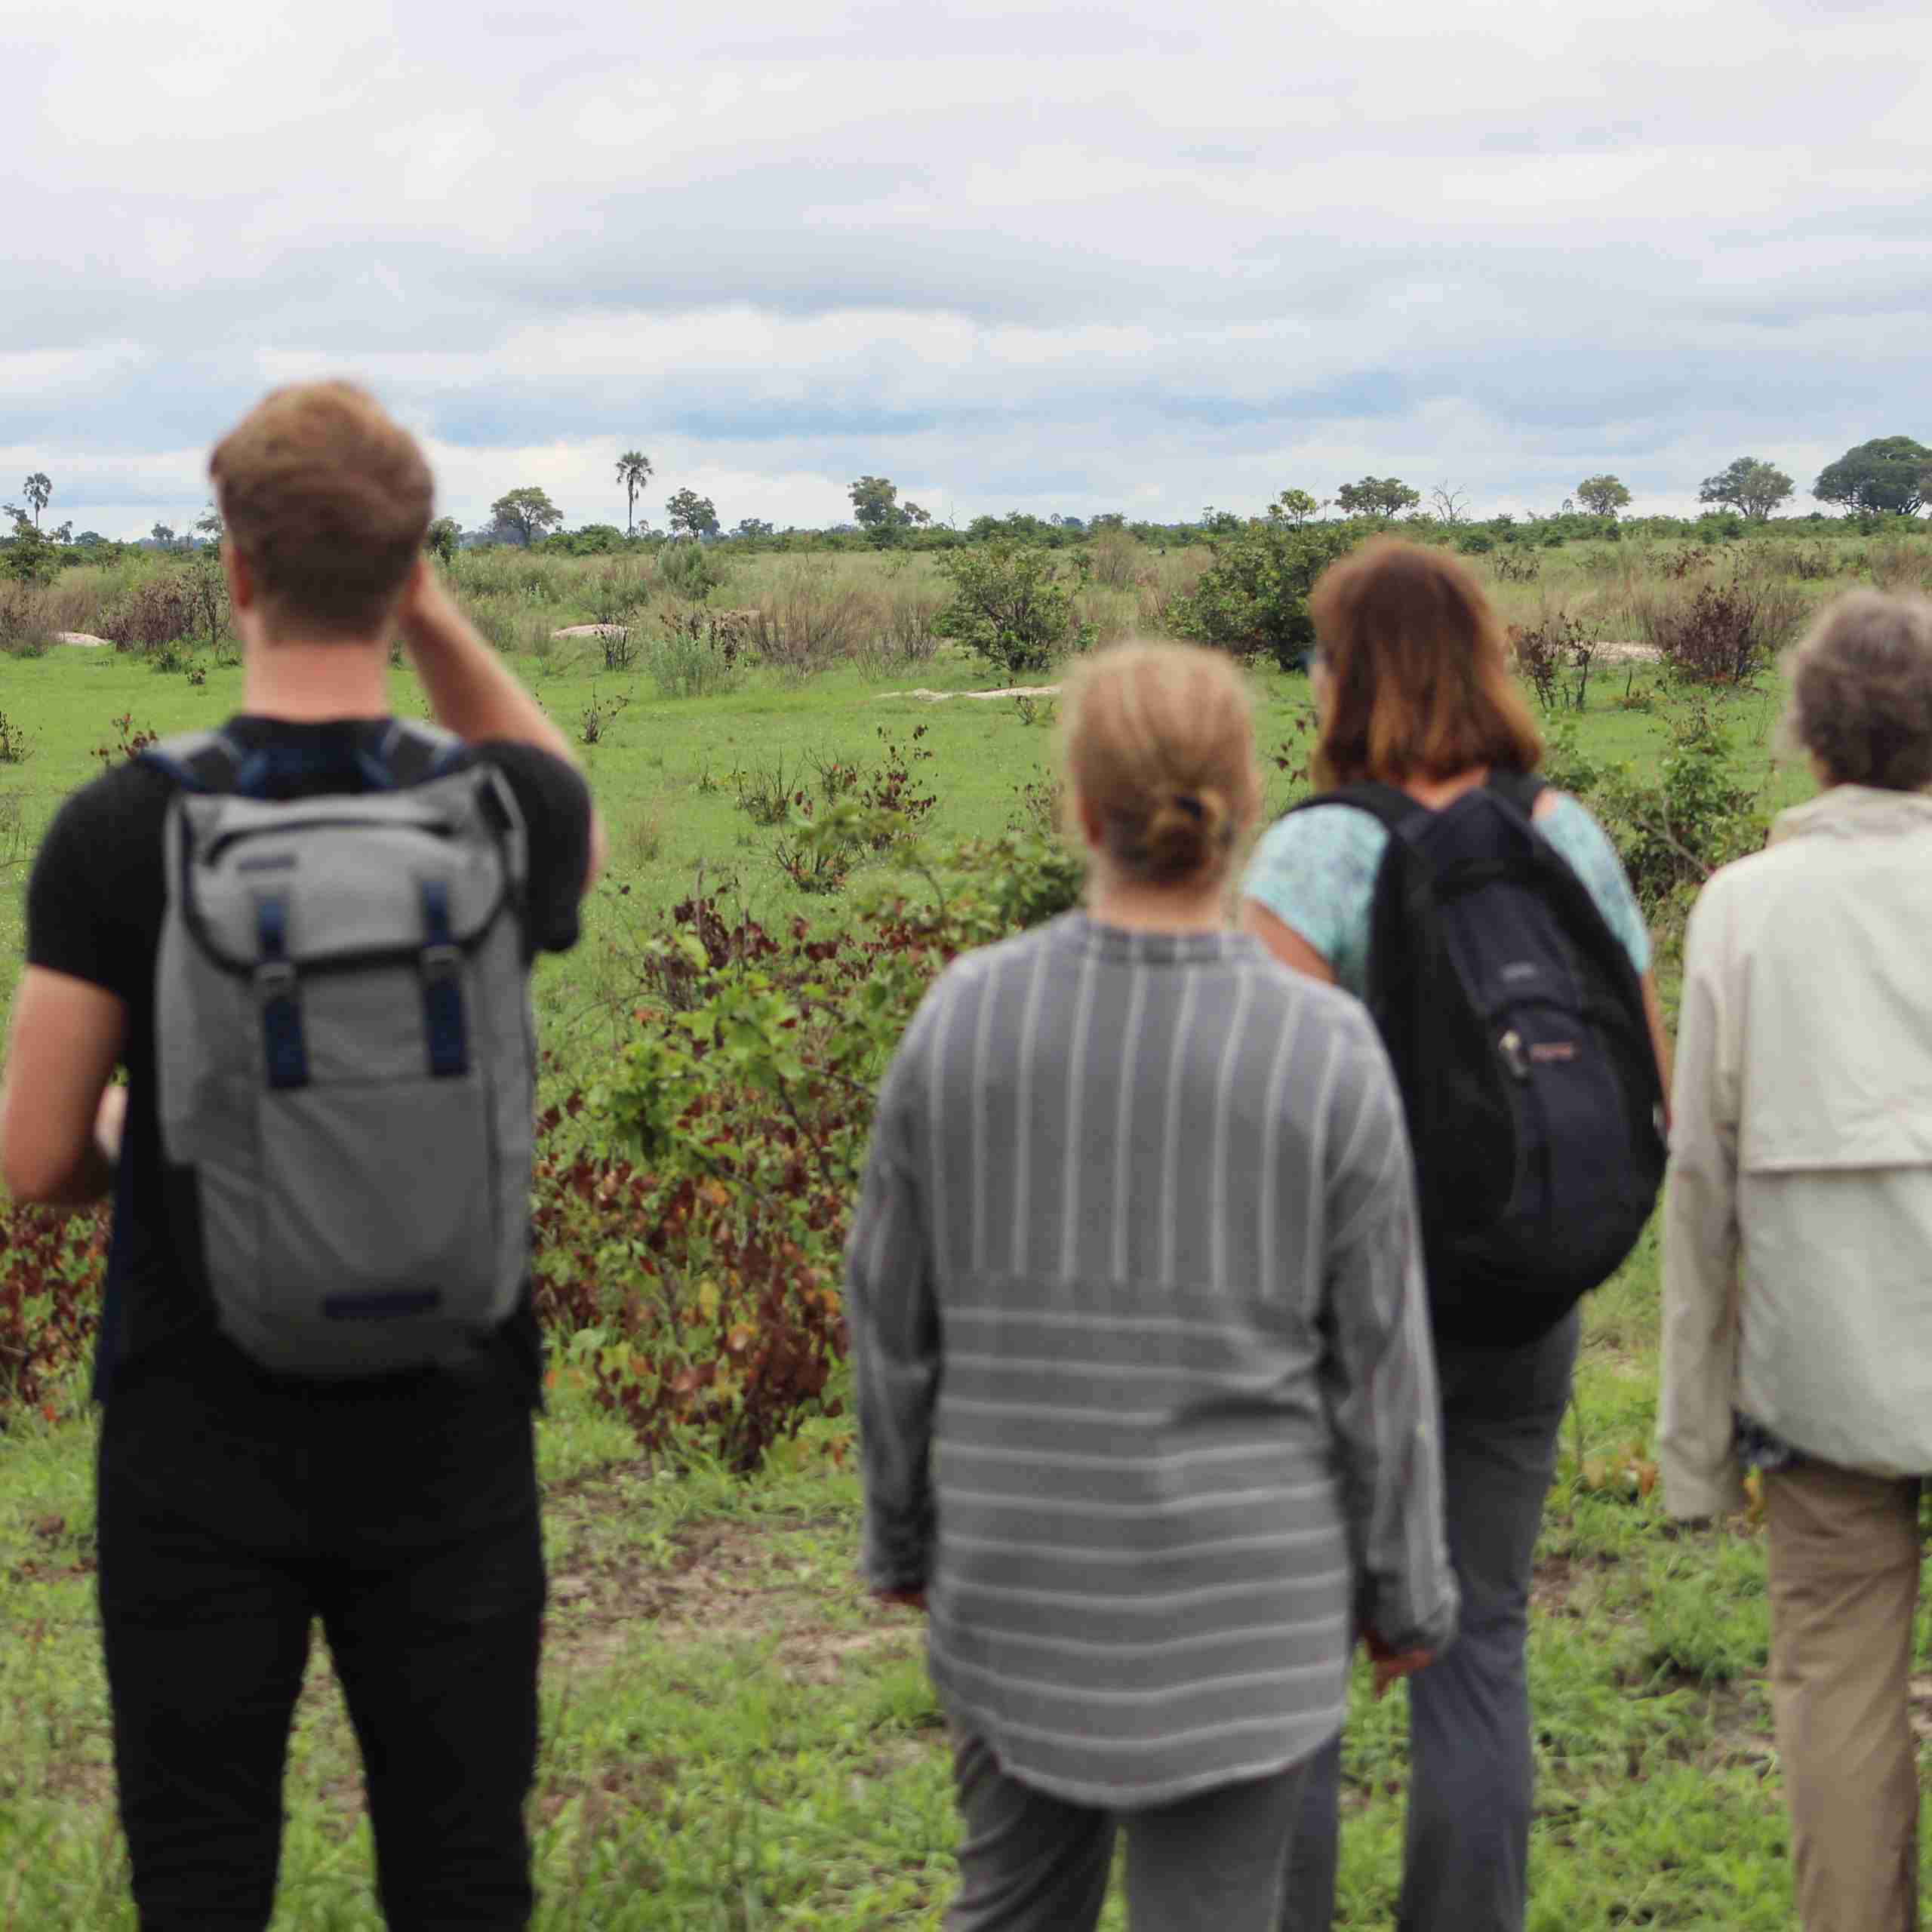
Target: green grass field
733	1736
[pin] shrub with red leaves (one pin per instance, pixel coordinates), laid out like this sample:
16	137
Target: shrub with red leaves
50	1269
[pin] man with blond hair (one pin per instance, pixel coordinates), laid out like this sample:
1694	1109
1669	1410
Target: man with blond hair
318	1383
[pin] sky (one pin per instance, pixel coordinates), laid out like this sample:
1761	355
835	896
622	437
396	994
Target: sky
1061	258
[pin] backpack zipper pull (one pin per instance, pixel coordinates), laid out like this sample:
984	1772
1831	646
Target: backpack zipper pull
1511	1043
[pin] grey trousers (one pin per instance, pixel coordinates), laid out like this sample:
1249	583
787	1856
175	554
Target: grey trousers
1464	1868
1032	1863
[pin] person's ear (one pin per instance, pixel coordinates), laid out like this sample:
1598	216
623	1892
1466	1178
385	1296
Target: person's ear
241	580
1093	827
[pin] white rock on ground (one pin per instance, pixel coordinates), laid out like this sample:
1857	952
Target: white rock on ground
82	641
1011	690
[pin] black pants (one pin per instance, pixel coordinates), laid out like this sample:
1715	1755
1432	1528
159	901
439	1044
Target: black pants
233	1512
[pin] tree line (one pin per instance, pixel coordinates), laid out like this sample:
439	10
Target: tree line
1886	476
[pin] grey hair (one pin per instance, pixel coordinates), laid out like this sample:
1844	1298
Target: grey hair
1861	691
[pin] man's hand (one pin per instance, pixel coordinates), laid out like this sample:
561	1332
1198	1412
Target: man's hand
428	613
902	1599
1390	1666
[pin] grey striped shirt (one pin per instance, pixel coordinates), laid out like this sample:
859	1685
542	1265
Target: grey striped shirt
1141	1358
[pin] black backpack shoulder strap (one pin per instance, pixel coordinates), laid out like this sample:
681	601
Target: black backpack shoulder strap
1383	803
1522	788
414	753
200	762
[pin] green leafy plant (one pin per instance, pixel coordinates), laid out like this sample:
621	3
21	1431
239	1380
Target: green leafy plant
1252	599
1674	824
1010	604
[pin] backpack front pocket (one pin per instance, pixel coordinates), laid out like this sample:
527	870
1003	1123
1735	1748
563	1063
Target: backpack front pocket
377	1246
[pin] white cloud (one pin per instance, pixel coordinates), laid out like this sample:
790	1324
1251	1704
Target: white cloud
1028	254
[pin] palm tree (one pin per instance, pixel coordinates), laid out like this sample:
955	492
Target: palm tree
633	472
39	489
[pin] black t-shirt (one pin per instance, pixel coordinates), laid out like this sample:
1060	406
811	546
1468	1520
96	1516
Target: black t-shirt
95	904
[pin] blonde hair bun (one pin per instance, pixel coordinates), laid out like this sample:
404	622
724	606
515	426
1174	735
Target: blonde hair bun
1185	833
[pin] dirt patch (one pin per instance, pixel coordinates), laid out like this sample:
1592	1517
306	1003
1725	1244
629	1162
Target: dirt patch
820	1656
720	1586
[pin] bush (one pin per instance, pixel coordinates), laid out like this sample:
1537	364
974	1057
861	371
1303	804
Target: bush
815	618
1900	563
911	635
1723	633
158	608
1557	644
1010	604
1252	599
692	1211
50	1270
1675	825
690	570
511	621
24	630
693	656
1115	557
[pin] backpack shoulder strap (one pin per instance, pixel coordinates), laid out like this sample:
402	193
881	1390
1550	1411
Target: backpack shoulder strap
199	761
1389	807
412	753
1520	789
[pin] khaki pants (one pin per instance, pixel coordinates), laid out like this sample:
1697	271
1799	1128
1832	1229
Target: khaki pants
1844	1558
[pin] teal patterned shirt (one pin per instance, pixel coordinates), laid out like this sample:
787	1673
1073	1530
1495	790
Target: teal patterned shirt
1315	870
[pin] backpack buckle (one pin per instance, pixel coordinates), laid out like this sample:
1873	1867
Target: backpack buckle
441	962
275	978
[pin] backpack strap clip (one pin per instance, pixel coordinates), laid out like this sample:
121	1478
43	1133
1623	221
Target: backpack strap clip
445	1026
285	1048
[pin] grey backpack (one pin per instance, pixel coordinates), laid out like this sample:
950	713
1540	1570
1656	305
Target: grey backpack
346	1053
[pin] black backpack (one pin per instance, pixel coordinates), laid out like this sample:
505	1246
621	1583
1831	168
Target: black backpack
1515	1023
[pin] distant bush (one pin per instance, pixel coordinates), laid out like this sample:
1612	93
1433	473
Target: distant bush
693	656
1252	599
1900	563
1721	633
24	630
1116	557
1010	604
690	570
815	616
160	607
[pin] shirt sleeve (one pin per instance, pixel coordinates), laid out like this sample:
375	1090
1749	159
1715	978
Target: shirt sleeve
1695	1428
95	896
1379	1374
1590	854
1315	870
892	1318
555	803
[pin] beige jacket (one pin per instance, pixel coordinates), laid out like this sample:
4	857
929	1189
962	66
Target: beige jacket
1798	1218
